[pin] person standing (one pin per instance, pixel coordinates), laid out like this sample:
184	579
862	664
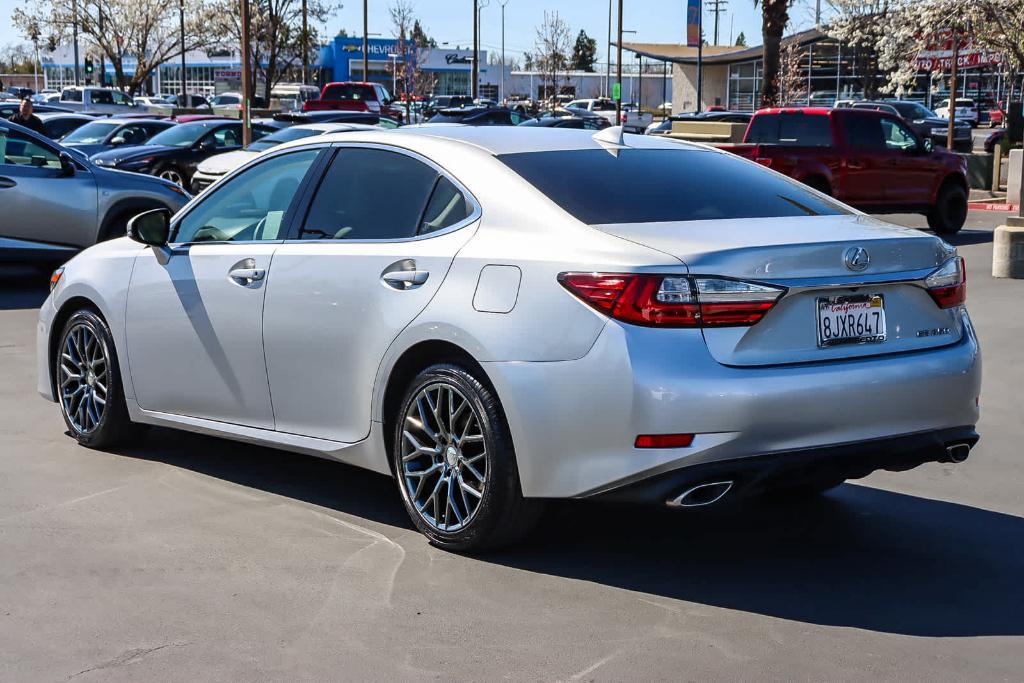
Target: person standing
26	118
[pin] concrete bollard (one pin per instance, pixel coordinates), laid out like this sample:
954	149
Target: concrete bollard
1008	252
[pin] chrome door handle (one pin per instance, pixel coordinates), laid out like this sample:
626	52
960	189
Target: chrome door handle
405	279
246	276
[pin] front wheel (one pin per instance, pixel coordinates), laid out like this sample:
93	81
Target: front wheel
172	174
949	213
455	464
88	383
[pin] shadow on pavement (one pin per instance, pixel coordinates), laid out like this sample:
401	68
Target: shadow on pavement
857	557
22	288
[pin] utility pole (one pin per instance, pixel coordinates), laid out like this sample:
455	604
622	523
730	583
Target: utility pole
608	57
103	65
618	72
700	55
366	44
74	38
246	76
717	6
305	44
184	91
952	92
503	3
476	49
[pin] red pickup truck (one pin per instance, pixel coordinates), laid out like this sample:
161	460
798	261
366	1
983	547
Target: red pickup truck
355	96
868	159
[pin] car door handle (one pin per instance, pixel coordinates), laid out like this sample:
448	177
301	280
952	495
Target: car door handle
405	279
855	164
245	274
7	182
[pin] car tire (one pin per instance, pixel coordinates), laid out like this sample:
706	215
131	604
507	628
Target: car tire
949	212
93	405
450	438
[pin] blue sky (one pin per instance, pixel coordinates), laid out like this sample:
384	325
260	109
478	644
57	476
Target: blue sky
449	21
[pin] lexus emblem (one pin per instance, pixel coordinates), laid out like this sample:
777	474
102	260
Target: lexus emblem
857	258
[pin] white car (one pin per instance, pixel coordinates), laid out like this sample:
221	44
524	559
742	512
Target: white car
634	121
496	316
153	102
216	167
966	110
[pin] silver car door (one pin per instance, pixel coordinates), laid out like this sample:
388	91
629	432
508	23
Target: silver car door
380	235
194	317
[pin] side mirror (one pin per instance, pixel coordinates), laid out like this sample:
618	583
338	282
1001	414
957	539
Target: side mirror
927	146
207	145
118	141
152	227
67	164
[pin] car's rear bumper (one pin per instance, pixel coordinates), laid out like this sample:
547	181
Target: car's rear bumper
574	423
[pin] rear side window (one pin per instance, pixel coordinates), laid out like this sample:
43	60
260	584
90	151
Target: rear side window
370	194
799	130
652	185
71	96
447	207
350	92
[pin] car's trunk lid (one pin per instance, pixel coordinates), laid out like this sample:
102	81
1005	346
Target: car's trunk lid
808	256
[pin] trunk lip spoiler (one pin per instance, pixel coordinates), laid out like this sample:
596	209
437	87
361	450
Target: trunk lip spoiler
909	277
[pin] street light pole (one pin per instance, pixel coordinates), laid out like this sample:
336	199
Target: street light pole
618	71
504	2
608	56
246	78
74	38
952	92
181	17
476	50
305	44
366	44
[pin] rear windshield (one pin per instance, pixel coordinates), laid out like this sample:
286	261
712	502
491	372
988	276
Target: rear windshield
652	185
349	92
797	129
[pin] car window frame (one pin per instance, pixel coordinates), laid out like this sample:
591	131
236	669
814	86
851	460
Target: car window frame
298	201
297	221
40	141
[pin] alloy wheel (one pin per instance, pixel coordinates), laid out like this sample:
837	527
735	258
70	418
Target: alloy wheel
173	176
83	377
444	457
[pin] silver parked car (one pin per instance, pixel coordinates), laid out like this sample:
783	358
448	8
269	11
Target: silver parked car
497	316
54	202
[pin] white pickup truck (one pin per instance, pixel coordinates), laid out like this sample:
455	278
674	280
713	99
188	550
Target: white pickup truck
95	99
635	121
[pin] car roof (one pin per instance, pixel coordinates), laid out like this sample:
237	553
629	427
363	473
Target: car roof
47	115
124	122
498	140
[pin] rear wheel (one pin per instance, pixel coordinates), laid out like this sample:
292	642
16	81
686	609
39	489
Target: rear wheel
949	213
455	464
88	383
173	174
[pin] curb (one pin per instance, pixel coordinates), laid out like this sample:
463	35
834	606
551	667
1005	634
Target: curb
993	206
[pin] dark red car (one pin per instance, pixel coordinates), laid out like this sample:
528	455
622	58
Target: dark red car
356	96
869	159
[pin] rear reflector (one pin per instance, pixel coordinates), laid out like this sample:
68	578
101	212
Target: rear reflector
663	441
673	300
948	285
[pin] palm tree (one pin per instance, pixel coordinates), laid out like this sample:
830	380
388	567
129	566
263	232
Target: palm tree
774	17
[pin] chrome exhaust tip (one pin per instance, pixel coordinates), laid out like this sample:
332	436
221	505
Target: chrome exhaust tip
957	452
700	495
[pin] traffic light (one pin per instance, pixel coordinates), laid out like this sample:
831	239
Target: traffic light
88	65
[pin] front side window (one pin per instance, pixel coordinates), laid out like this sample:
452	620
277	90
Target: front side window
228	136
101	97
250	206
897	136
20	150
662	185
120	98
370	194
71	95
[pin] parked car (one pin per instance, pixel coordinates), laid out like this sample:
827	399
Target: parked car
58	124
994	139
499	316
479	116
966	110
438	102
227	100
104	134
578	122
55	203
193	101
633	120
925	122
870	159
153	102
356	96
216	167
362	117
46	97
664	127
175	153
997	115
96	99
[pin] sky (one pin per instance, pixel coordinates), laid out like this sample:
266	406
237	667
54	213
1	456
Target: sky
449	21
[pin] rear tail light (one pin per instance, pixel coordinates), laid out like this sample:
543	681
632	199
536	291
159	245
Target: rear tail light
663	441
673	300
948	285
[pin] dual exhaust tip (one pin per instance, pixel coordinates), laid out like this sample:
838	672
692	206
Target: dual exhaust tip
713	491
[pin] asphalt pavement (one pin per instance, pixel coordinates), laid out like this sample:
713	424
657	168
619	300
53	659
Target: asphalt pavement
192	558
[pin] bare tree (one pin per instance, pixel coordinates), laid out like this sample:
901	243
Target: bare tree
146	31
552	49
792	79
407	67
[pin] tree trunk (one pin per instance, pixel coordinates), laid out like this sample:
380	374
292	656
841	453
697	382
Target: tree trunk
774	17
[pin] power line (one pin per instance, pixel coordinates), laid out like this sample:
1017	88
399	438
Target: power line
718	7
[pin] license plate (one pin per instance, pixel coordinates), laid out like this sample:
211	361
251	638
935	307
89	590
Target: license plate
858	319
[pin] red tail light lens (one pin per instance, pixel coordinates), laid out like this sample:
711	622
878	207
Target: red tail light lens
948	285
663	441
673	300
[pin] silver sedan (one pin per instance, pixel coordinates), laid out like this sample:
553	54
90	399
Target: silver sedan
498	316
